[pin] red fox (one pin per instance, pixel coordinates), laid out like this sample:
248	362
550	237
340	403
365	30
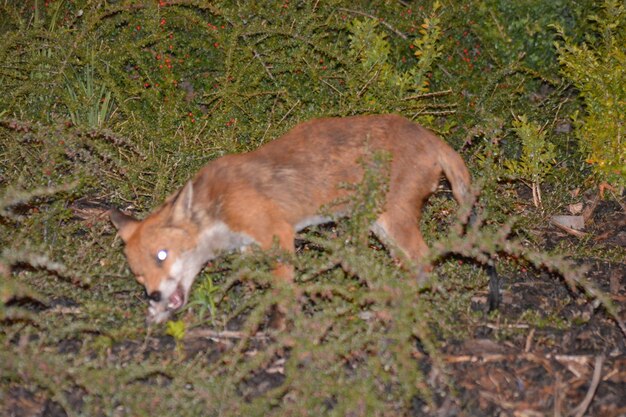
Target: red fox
271	193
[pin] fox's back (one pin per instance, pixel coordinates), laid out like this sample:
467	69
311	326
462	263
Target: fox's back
311	160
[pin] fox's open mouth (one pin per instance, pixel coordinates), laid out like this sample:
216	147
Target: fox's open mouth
176	300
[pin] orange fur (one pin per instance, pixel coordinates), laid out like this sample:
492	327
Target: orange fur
278	189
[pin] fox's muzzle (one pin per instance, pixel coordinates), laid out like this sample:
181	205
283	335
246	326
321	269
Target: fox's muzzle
160	309
155	296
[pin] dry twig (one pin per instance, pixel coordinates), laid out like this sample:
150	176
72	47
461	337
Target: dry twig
579	411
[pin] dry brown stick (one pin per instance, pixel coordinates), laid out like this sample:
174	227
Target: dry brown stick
558	395
529	340
621	325
579	411
331	86
256	55
428	95
588	211
499	357
224	334
367	84
288	111
569	230
435	113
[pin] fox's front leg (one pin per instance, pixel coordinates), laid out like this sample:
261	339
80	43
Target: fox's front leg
287	293
284	234
263	220
267	233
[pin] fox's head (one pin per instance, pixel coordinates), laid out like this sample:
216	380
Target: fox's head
164	252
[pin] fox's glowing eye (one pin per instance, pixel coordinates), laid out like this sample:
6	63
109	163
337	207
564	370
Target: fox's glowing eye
162	255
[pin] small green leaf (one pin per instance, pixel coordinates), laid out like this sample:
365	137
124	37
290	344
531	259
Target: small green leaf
176	329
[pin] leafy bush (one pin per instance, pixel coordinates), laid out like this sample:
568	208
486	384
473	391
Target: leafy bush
120	102
127	100
520	31
597	68
537	157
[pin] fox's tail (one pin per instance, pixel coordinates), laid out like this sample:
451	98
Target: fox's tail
455	170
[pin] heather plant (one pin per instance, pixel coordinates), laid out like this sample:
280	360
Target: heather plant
519	32
537	158
427	48
13	254
596	68
379	80
195	81
499	55
348	294
118	103
178	85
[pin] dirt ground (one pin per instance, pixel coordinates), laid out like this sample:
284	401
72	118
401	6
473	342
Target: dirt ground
506	369
574	371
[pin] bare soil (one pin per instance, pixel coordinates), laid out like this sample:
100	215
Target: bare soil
506	369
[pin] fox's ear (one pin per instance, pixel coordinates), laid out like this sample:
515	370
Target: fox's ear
125	224
181	210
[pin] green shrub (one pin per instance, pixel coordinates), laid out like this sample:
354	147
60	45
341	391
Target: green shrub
597	68
520	31
537	158
371	48
125	100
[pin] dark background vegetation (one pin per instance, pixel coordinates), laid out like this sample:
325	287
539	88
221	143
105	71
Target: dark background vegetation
118	103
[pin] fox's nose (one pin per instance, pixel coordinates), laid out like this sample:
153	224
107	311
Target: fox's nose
155	296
